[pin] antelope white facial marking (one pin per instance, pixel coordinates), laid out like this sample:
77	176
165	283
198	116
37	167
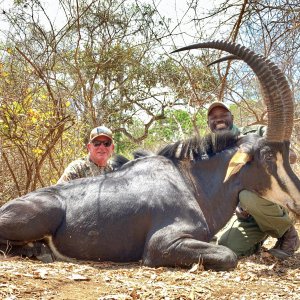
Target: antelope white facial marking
292	189
277	194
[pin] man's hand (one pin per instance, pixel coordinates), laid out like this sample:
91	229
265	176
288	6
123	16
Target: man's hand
242	214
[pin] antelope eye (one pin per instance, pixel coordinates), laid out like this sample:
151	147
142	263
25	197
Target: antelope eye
268	156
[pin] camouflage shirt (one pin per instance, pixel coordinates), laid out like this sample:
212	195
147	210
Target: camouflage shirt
83	167
258	129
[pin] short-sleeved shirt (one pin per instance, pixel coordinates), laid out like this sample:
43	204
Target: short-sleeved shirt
83	167
258	129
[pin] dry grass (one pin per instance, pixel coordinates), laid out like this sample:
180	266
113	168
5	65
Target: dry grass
256	277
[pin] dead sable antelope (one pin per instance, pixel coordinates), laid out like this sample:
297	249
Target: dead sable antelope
164	209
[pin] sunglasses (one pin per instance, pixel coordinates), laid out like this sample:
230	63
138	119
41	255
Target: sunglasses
104	143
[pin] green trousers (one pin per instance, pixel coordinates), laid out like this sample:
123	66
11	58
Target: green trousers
244	237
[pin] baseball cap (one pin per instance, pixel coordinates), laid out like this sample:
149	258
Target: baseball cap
100	131
217	104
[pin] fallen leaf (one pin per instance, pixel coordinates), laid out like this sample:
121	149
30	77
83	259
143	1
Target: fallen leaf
78	277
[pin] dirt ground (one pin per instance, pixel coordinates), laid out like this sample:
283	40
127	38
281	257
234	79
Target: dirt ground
257	277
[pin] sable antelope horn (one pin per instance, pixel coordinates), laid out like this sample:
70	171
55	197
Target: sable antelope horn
225	58
275	88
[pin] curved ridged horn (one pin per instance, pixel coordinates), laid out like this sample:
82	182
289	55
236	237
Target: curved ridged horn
285	92
287	101
225	58
276	91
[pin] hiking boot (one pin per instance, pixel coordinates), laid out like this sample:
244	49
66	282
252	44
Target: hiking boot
286	245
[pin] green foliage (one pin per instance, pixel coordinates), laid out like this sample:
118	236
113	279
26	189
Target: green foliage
177	125
189	80
109	64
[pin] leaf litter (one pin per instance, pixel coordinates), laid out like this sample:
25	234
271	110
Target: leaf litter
256	277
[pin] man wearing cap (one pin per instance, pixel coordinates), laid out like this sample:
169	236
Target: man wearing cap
97	162
256	218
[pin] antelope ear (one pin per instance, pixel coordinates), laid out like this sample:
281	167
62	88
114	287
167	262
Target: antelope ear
238	160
